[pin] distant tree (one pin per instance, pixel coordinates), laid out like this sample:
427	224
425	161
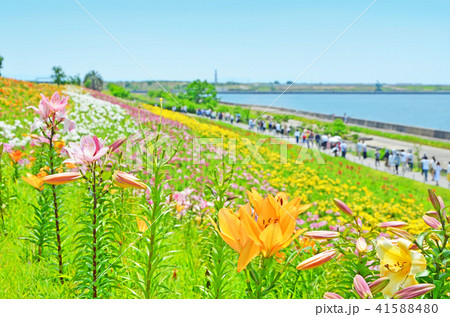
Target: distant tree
93	80
118	91
276	82
58	75
155	93
289	82
201	92
1	64
74	80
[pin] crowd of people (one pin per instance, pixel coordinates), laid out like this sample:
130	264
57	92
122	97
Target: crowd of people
209	113
396	161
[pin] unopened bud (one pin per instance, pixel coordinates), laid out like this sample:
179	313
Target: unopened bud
343	207
378	285
414	291
361	245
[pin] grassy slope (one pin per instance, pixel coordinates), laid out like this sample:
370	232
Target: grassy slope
376	195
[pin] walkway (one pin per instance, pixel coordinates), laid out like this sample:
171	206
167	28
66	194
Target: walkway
370	162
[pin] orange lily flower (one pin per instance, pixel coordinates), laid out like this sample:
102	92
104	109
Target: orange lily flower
233	233
70	165
59	145
272	225
34	181
16	155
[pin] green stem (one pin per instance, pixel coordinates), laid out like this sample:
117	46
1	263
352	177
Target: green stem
55	208
94	236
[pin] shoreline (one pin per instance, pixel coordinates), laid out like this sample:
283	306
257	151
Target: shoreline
312	92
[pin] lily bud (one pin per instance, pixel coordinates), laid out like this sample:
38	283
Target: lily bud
392	224
378	285
361	287
432	222
434	200
401	234
1	150
432	213
125	180
321	234
343	207
414	291
117	144
317	260
361	245
61	178
329	295
441	202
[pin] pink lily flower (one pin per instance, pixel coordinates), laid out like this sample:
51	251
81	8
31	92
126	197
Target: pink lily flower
90	150
56	103
56	108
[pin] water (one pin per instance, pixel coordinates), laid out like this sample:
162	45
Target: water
420	110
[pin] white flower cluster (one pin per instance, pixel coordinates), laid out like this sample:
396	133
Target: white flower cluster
99	117
8	133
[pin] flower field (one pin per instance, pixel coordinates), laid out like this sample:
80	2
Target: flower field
106	198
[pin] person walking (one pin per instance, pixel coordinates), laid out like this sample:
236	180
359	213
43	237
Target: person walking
420	164
437	173
364	150
324	141
386	158
310	139
410	160
297	135
318	140
397	161
448	174
304	137
377	157
391	159
343	149
232	119
425	167
432	167
359	149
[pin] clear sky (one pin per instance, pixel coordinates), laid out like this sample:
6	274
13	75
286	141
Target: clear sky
396	41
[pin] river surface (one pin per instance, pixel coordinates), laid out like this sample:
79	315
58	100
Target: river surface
420	110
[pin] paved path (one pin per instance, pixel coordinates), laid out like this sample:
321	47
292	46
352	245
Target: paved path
442	155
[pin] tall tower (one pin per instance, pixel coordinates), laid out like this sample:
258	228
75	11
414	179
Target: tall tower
215	77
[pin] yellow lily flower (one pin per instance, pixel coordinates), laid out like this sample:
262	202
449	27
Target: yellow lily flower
399	263
233	233
142	224
272	225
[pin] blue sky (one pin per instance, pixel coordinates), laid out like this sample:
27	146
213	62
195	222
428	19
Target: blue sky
401	41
